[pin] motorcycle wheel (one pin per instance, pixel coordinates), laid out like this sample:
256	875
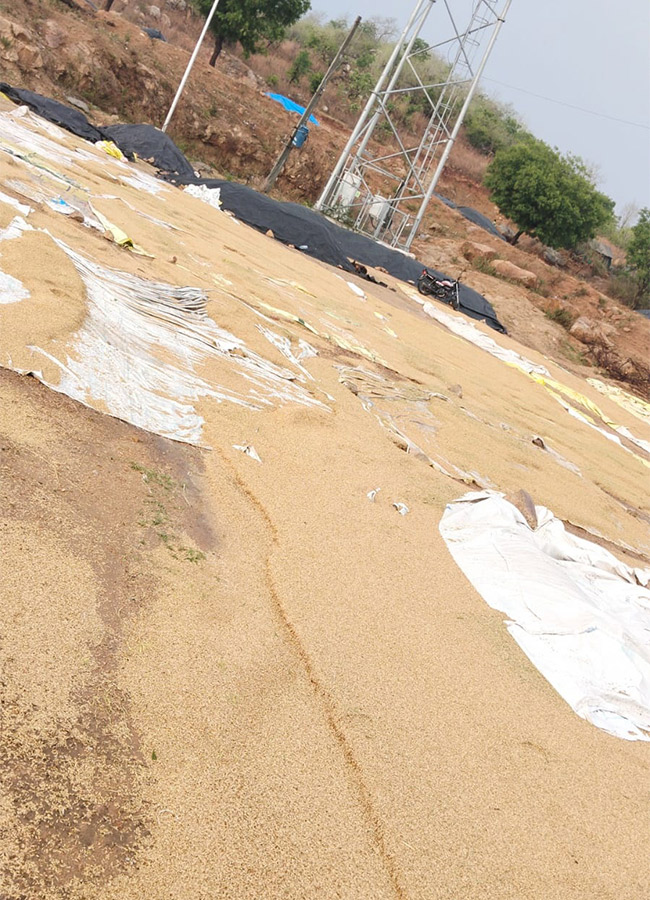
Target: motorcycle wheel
441	293
423	287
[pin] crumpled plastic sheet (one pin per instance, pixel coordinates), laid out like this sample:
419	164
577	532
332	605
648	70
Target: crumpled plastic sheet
142	181
460	326
283	344
111	149
581	615
11	289
211	196
356	290
160	222
15	229
635	405
22	208
248	450
409	413
583	409
41	190
344	339
22	134
137	352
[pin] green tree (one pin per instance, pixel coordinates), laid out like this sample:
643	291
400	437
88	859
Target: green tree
421	48
299	67
547	195
638	255
251	23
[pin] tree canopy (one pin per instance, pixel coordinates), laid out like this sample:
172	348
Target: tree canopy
251	23
548	196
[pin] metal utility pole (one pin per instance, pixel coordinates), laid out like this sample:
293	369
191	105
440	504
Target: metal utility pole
195	53
282	158
383	190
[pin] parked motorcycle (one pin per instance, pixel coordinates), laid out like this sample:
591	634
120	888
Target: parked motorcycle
443	289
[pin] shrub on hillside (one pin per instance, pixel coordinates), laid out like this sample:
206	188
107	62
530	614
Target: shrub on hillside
638	257
299	67
251	23
561	315
490	126
623	286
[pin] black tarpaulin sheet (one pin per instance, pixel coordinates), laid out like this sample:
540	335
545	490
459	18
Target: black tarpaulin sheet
445	200
323	239
154	34
290	222
56	112
151	144
145	140
473	215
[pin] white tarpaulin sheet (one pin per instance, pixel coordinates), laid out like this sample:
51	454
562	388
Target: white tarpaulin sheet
580	615
11	290
138	350
208	195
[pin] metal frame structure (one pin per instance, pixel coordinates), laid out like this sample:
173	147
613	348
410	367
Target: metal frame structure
383	190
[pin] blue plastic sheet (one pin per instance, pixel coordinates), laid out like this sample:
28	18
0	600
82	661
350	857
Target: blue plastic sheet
292	106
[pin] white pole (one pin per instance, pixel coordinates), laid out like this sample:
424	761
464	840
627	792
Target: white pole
195	53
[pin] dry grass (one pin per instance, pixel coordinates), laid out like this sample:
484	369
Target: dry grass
182	29
467	161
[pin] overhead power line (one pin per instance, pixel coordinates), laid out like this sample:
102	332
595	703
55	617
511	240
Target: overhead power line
590	112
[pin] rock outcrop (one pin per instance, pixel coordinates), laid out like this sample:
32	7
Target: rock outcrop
509	270
593	333
472	251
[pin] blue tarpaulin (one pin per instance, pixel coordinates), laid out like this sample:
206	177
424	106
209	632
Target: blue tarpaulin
292	106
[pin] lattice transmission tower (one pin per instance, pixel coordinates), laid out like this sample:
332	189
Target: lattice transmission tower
385	177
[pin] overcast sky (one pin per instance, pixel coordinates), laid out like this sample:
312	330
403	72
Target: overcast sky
592	54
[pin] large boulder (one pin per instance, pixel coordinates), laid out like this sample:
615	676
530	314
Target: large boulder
472	250
592	333
509	270
508	232
54	34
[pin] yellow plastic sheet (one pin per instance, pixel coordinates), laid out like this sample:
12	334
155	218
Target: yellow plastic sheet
635	405
120	237
111	148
